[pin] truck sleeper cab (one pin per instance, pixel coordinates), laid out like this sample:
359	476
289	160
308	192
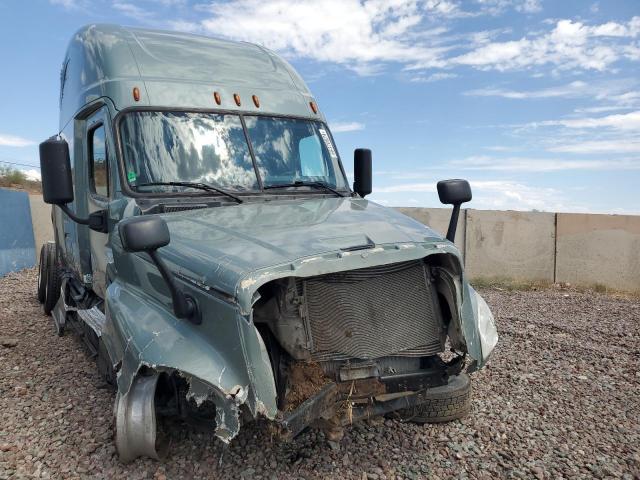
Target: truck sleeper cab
211	252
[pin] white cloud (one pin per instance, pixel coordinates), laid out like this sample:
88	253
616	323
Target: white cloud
570	45
624	121
498	7
511	195
529	6
533	164
607	134
407	187
32	174
133	11
365	34
338	127
499	148
68	4
577	88
184	26
489	194
599	147
615	94
434	77
602	108
14	141
347	32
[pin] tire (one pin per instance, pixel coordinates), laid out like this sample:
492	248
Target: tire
443	404
52	284
42	273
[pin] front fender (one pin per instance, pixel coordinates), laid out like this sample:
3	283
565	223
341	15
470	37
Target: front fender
222	359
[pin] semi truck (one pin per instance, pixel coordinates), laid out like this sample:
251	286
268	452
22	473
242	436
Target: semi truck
218	264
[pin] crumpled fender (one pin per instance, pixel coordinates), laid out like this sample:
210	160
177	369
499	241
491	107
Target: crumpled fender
223	359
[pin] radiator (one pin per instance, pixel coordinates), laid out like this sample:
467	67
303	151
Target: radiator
373	312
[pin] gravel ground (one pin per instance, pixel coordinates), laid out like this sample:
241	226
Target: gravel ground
560	398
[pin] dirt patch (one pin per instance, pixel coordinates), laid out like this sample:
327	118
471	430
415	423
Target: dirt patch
305	381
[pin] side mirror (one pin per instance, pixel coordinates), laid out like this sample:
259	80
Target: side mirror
57	182
55	168
454	192
146	234
362	171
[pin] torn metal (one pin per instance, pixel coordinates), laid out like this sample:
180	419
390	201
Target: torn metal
232	373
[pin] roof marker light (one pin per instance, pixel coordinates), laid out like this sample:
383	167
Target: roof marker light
314	107
136	94
236	97
217	98
256	101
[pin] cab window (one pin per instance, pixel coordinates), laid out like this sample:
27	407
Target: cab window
98	172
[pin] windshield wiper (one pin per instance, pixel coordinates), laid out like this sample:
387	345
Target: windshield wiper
299	183
198	185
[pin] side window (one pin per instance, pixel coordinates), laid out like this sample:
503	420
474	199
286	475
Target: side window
98	172
311	160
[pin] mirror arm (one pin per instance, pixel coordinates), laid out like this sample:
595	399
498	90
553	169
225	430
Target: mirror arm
184	306
97	221
72	216
453	223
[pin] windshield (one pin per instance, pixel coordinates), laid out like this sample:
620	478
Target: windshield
208	148
290	150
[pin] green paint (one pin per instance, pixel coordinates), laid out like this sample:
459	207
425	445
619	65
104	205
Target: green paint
225	254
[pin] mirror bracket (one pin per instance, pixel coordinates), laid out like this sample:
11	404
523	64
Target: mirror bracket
65	208
184	306
98	221
147	233
453	223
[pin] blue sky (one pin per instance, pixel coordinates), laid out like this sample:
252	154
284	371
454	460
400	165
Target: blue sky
536	102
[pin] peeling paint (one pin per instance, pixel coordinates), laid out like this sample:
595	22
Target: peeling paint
309	260
221	373
248	283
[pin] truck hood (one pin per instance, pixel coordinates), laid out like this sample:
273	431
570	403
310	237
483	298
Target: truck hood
219	246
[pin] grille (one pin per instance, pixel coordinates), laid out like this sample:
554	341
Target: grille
373	312
181	208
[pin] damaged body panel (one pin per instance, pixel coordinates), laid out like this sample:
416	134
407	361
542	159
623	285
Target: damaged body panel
212	255
223	361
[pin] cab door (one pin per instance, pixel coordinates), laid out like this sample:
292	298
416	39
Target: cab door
99	192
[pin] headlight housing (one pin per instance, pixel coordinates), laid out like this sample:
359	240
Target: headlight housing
486	324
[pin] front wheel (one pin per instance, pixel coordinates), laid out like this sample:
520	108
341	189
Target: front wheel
442	404
42	273
52	280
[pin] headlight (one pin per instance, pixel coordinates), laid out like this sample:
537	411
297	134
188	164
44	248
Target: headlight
486	325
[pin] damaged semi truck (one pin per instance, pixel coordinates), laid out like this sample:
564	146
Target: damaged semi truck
212	255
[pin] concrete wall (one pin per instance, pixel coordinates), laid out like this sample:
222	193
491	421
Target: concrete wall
582	249
41	219
516	245
16	232
599	249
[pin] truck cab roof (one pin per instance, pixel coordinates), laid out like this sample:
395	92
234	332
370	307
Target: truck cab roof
171	69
